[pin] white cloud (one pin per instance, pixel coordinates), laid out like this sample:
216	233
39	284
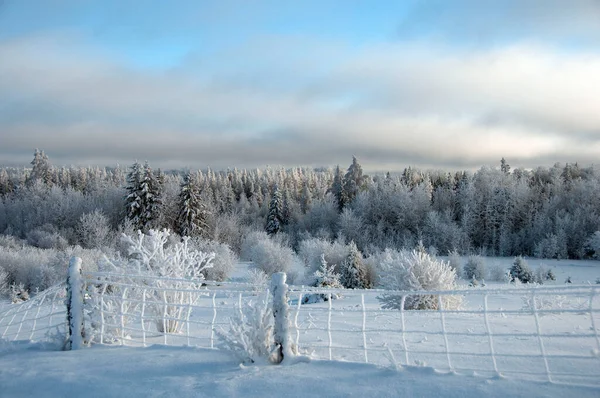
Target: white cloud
393	104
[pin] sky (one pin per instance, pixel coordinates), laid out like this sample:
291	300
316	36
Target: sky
433	84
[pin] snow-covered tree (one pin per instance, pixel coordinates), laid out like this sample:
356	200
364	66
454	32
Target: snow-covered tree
475	268
41	170
520	270
326	275
337	188
275	216
93	230
134	203
150	194
353	271
354	181
193	215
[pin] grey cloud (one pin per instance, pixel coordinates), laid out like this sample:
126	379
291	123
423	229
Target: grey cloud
394	105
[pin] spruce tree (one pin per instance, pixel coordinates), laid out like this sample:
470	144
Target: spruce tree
354	273
150	192
337	188
354	181
193	215
41	170
133	200
275	217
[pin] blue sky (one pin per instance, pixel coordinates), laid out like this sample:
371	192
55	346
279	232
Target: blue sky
441	84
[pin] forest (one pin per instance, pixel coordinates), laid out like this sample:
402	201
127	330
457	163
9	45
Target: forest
289	217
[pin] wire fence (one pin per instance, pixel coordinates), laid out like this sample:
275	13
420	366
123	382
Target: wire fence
535	333
41	318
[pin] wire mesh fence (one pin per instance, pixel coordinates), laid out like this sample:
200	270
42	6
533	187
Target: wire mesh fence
537	333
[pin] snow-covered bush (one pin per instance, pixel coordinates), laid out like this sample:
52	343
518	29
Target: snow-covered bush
93	230
224	261
250	334
520	270
353	273
269	255
310	251
18	293
47	237
543	274
169	270
258	279
455	262
326	277
417	271
475	268
592	245
498	273
3	282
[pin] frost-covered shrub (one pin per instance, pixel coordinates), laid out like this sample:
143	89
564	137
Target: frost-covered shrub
10	242
224	262
498	273
325	277
455	262
18	293
3	282
592	245
179	266
47	237
93	230
258	279
268	255
475	268
417	271
310	251
353	273
520	270
543	274
250	334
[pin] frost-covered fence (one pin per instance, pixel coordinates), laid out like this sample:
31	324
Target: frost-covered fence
143	310
42	318
541	333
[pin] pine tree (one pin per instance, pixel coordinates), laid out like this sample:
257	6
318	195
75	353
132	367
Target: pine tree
150	192
193	215
337	188
133	200
42	170
521	271
504	167
354	181
354	273
274	218
305	198
326	275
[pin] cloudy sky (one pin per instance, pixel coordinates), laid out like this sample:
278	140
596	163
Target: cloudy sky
434	84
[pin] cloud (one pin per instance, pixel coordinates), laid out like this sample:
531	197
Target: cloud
392	105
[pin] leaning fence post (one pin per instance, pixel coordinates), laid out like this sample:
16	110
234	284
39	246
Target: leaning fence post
75	305
281	335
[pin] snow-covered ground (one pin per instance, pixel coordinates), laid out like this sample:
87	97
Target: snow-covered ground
32	371
29	369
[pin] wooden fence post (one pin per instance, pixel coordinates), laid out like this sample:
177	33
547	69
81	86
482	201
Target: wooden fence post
281	334
75	305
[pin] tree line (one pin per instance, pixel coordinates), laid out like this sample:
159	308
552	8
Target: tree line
548	212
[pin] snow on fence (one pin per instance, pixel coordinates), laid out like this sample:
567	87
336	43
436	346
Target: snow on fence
41	318
538	333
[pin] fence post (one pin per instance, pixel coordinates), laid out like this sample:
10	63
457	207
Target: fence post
281	336
75	305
